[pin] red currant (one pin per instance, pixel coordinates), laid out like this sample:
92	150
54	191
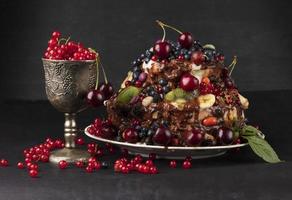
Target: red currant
20	165
63	164
187	164
172	164
33	173
4	163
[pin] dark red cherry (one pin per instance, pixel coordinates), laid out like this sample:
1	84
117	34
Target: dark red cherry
106	89
225	135
95	98
197	57
108	132
188	82
162	49
162	136
186	40
194	137
130	135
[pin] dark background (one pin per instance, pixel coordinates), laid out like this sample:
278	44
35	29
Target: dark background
258	32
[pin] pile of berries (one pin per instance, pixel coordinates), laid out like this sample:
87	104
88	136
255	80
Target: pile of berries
103	129
126	166
64	49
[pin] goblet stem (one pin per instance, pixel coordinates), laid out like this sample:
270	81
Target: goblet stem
70	153
70	130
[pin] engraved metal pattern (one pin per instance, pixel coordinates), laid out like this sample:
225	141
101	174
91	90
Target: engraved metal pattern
67	83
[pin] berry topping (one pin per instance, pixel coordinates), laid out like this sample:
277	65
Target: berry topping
188	82
162	136
185	40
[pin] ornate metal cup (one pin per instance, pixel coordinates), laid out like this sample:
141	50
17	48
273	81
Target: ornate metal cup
67	83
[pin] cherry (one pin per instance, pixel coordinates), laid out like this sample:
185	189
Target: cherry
63	164
106	89
20	165
33	173
108	132
95	98
225	135
188	82
162	136
187	164
185	40
194	137
197	57
4	163
162	49
130	135
172	164
229	83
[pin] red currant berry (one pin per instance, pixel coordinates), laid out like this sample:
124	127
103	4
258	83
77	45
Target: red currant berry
149	163
80	141
89	169
187	164
4	163
172	164
20	165
33	173
153	170
79	164
63	164
55	34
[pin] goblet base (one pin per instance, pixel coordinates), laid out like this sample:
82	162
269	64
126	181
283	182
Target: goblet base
69	155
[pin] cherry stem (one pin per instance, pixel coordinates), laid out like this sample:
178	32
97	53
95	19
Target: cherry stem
103	71
164	33
232	65
166	25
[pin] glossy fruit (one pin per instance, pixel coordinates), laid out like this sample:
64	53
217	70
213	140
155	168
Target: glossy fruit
185	40
33	173
79	164
187	164
172	164
162	136
162	49
106	89
95	98
3	162
197	57
20	165
108	132
63	164
130	135
188	82
194	137
225	135
210	121
80	141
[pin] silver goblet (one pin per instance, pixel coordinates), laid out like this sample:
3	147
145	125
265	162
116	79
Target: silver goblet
67	83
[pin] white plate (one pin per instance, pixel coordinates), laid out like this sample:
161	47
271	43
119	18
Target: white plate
169	152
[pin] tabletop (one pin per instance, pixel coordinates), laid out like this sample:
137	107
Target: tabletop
235	175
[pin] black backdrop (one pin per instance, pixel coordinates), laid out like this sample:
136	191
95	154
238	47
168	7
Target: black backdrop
259	32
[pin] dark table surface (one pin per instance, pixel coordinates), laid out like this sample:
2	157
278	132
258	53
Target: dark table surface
236	175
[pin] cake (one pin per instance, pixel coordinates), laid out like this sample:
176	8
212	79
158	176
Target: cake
179	94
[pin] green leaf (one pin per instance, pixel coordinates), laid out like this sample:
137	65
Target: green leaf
127	94
262	148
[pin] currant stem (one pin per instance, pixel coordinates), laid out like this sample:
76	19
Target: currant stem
97	66
161	25
232	65
67	40
166	25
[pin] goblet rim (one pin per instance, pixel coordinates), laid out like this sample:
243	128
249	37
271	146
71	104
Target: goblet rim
69	61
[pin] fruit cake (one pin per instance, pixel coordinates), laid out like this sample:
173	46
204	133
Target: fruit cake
179	94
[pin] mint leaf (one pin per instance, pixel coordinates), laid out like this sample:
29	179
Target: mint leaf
259	145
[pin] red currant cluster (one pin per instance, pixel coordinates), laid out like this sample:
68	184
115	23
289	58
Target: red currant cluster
125	166
63	49
103	129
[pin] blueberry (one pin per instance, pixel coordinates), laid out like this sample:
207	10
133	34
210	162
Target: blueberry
165	123
150	132
183	51
138	128
136	75
162	82
142	56
166	89
147	60
136	69
148	53
142	134
156	98
104	165
210	53
145	130
187	56
152	93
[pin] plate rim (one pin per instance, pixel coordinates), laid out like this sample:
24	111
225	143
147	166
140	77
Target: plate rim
139	145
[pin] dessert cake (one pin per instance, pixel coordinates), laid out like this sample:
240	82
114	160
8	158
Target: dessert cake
179	94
